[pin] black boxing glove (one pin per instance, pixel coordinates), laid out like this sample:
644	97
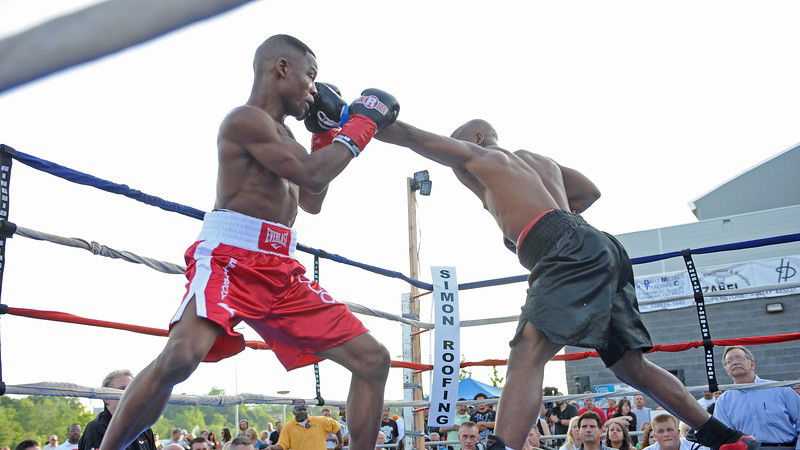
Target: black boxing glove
379	106
326	112
369	113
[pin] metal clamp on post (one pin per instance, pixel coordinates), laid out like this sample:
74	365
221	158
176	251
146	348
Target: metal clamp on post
702	317
7	229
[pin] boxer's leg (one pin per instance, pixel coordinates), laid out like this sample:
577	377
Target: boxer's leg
368	361
522	392
145	398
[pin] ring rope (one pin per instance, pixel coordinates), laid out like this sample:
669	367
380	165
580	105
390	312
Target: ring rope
125	190
170	268
102	250
56	389
90	180
175	269
259	345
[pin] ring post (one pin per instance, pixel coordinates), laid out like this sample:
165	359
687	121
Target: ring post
320	400
408	375
702	317
6	231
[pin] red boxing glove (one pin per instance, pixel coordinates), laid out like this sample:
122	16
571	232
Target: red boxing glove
356	133
322	140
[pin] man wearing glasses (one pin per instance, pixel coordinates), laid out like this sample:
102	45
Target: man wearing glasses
770	415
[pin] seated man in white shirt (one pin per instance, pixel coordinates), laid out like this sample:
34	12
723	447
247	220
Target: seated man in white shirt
668	437
770	415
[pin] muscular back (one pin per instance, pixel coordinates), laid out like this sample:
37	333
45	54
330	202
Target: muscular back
514	187
245	184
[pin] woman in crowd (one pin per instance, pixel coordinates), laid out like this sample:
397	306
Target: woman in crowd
648	437
252	434
265	438
624	411
574	439
212	439
617	437
226	439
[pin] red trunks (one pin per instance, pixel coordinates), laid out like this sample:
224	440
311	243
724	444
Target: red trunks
242	268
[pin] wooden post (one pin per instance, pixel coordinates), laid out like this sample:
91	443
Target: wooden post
413	258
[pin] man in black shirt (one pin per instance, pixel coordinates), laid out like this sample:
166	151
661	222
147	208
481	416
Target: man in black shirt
389	427
96	429
273	437
483	417
561	414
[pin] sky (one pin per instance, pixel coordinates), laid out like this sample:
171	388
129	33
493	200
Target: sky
656	102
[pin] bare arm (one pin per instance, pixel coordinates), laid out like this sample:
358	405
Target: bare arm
444	150
581	192
253	130
339	441
312	202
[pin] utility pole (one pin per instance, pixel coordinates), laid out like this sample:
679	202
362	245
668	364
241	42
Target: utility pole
413	257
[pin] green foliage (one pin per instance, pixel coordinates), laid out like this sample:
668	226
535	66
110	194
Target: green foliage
39	417
497	380
464	373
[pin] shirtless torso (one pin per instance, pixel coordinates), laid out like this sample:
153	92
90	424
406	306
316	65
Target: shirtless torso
247	181
514	187
498	176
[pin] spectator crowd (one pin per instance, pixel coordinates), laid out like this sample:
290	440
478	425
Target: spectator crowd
771	415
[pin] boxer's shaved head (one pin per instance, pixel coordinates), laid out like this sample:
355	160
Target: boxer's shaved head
279	46
477	131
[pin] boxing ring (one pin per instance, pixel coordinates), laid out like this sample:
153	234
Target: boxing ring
149	22
9	229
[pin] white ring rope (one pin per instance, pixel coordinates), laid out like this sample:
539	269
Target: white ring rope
170	268
102	250
56	389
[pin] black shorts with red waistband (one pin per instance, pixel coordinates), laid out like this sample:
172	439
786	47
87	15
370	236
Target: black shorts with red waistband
581	289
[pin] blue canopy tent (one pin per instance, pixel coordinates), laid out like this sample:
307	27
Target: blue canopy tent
468	388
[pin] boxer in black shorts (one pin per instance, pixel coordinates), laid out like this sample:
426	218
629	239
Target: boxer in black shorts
581	283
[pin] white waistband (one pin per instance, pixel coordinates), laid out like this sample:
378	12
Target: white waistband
249	233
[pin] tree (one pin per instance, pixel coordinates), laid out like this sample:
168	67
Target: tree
10	430
464	373
38	417
497	380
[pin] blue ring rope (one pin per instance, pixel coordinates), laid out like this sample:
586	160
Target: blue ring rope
122	189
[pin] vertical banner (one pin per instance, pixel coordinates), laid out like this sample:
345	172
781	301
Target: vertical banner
447	355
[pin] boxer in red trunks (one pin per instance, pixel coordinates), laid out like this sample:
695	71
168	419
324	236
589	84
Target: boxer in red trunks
581	290
242	266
